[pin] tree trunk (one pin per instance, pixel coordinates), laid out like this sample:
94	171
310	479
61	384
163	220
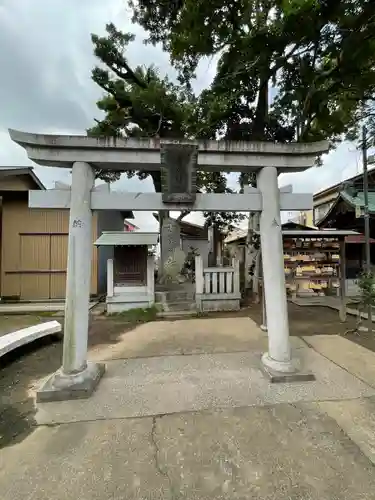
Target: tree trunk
169	231
252	253
252	258
261	113
255	289
163	217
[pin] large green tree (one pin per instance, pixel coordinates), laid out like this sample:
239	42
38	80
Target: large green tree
140	103
317	55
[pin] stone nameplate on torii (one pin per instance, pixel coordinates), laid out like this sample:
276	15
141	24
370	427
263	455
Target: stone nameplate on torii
178	173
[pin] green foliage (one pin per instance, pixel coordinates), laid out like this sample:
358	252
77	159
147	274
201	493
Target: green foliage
318	56
366	284
136	103
140	103
292	7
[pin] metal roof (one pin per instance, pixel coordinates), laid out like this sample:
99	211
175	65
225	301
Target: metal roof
353	201
236	234
12	170
133	238
337	186
359	200
319	233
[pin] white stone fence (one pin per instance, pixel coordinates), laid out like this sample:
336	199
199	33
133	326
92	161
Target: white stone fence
217	288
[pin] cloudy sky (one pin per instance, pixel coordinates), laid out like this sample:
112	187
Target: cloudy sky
46	59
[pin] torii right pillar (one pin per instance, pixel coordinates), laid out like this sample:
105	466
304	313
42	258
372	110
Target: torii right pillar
277	362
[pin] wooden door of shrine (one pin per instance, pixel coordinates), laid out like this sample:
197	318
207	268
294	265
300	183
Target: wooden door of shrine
130	265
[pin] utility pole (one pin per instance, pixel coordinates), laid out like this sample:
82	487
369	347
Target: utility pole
366	216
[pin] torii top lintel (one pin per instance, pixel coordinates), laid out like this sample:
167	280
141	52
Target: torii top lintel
144	153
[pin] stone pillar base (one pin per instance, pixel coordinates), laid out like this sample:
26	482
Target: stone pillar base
62	387
283	372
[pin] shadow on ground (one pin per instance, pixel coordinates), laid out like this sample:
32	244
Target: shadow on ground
23	368
20	371
104	330
317	320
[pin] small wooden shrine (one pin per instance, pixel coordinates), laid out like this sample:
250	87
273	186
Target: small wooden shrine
130	269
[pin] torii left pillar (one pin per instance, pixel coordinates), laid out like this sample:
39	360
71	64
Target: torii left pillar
76	378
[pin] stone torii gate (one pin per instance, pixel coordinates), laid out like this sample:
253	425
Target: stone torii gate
77	378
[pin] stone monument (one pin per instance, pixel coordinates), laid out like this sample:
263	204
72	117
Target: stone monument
178	173
178	176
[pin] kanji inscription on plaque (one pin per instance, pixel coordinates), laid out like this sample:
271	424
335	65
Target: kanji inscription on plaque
178	172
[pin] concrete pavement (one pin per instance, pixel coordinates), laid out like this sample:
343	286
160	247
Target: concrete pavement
277	452
175	384
184	412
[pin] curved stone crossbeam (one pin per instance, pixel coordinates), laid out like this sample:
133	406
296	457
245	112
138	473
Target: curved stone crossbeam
144	154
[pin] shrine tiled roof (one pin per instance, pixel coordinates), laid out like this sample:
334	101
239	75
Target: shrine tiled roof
354	199
359	200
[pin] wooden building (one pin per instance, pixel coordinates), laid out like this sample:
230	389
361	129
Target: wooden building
326	198
34	242
346	213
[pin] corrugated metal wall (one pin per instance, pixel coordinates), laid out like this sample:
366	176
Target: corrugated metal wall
34	252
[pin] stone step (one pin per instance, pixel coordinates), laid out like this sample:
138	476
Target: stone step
128	297
175	296
176	314
180	306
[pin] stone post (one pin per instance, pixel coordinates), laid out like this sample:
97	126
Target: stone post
76	378
263	326
278	357
170	243
199	284
79	270
151	279
110	283
236	276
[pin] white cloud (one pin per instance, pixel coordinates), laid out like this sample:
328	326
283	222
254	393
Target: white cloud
48	85
338	165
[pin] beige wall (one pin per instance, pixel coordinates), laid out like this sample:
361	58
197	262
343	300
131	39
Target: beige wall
305	217
34	251
322	204
16	183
